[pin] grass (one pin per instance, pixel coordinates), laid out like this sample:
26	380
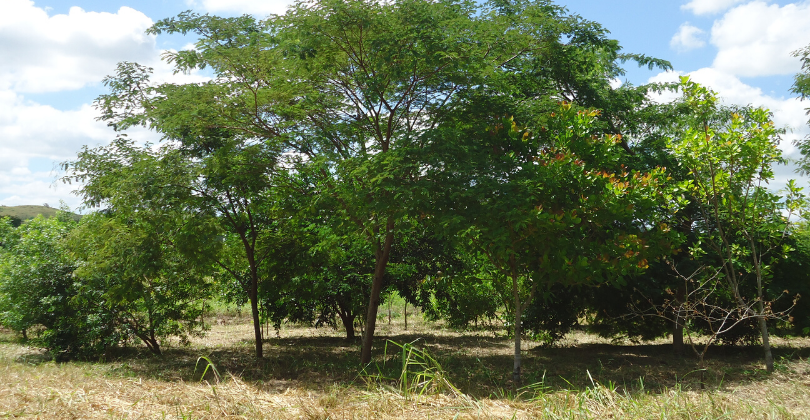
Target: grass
29	212
314	373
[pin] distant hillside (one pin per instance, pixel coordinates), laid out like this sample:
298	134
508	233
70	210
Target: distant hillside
29	212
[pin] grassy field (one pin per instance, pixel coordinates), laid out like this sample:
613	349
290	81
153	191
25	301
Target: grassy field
313	373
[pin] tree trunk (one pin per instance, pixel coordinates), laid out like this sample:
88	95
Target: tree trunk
382	255
406	315
518	316
763	321
257	325
154	346
151	343
766	341
348	324
677	332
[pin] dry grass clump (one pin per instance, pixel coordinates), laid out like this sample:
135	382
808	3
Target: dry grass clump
313	374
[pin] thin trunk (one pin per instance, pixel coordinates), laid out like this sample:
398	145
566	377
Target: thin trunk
763	321
382	255
253	295
151	343
406	315
518	315
152	338
257	325
677	332
766	342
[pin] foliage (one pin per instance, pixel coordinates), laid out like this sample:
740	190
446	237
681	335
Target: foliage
801	87
38	291
801	83
333	139
132	272
85	287
793	274
553	205
214	183
741	224
356	89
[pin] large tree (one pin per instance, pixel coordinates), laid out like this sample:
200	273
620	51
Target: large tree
550	205
354	92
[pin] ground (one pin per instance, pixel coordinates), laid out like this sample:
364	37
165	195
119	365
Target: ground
314	373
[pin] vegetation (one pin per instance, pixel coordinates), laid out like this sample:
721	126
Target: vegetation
471	162
21	213
312	373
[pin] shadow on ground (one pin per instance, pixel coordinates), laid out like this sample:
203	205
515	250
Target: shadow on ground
479	365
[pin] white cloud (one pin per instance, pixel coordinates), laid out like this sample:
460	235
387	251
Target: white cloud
705	7
756	39
29	130
35	188
687	38
261	8
41	53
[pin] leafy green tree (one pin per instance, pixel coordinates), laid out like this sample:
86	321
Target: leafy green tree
219	186
334	285
94	284
37	289
801	82
551	205
741	224
354	89
132	272
370	75
387	77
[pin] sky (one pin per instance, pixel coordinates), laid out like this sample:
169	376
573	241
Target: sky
55	53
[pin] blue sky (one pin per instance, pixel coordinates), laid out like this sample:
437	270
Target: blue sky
54	53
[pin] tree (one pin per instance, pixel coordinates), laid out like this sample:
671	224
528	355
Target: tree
552	205
132	273
96	283
220	186
366	77
37	288
742	225
801	81
350	92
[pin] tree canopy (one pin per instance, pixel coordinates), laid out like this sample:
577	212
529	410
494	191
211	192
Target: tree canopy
477	159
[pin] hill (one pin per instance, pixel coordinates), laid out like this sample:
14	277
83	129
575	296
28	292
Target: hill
29	212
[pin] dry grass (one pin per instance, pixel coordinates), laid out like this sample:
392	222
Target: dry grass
313	373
